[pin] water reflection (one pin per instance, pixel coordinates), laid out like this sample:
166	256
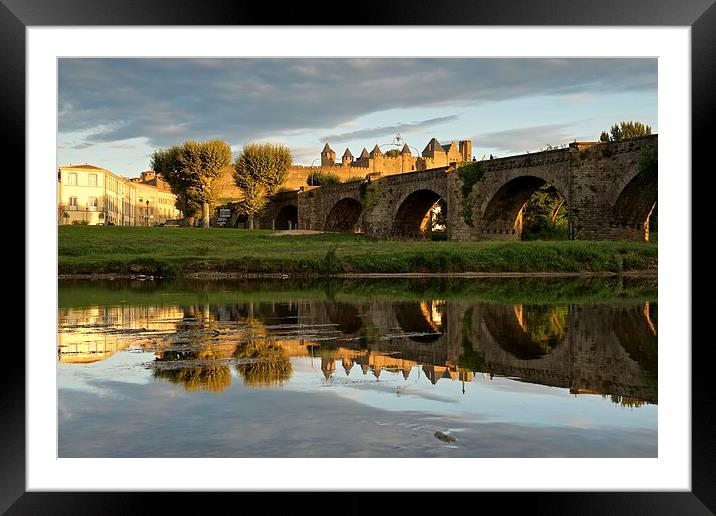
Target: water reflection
198	372
607	349
262	364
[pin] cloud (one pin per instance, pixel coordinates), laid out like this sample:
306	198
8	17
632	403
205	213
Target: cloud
239	100
522	139
389	130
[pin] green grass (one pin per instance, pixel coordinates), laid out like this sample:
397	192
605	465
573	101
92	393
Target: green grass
175	251
591	290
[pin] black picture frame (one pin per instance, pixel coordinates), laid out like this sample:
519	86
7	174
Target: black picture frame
700	15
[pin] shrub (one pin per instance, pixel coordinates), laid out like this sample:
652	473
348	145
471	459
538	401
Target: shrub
322	179
469	173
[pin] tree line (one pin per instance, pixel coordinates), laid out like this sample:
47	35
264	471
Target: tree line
192	168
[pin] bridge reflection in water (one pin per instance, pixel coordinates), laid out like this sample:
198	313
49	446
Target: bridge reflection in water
607	349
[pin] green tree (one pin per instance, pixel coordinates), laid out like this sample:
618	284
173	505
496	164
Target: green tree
392	153
544	217
164	162
259	170
625	130
191	170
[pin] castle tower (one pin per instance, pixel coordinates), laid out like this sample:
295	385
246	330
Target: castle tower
431	148
375	160
407	162
465	150
347	159
328	156
364	154
452	155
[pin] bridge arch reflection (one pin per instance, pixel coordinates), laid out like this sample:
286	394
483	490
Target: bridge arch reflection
426	319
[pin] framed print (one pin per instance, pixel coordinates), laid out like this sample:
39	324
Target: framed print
415	333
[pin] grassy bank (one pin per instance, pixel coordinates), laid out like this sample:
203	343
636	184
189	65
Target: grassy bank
171	252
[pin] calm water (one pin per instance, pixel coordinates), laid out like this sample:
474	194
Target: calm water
431	368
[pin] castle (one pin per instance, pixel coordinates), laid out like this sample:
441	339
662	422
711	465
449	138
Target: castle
434	155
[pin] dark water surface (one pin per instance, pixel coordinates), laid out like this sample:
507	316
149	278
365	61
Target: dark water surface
358	368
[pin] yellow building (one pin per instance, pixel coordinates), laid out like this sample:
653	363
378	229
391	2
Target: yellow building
154	206
87	194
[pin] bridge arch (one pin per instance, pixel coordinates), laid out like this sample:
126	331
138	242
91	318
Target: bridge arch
502	211
636	202
345	216
241	220
413	217
287	217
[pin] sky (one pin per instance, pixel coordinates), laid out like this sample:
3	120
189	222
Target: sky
115	112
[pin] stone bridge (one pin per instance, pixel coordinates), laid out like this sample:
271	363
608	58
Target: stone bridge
608	195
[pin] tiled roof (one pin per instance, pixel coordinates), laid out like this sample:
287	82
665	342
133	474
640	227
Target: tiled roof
432	146
92	167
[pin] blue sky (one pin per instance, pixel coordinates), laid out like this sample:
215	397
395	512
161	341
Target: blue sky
115	112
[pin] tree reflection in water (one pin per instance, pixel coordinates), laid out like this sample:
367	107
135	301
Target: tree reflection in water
624	401
545	326
262	363
527	332
210	377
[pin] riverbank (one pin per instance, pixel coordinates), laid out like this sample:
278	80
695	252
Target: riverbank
101	251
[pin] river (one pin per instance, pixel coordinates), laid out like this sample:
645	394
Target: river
462	367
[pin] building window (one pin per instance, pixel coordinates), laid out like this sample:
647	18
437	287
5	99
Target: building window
93	179
72	179
73	203
92	203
